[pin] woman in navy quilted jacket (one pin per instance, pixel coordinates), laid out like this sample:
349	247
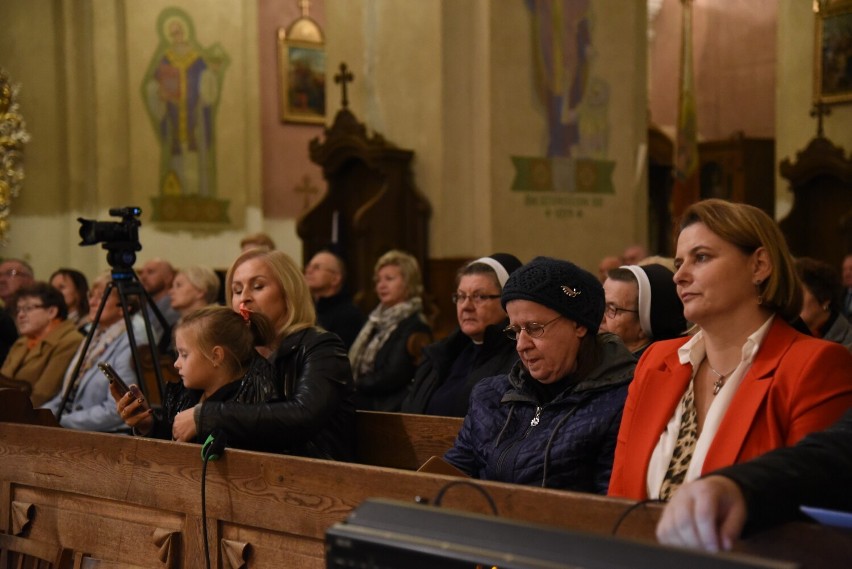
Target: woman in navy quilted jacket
552	421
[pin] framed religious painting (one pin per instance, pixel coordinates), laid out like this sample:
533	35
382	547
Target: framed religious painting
833	52
301	71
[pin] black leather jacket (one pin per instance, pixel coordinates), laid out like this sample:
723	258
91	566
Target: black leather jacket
314	415
256	386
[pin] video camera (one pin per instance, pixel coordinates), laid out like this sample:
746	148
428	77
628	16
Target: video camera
119	238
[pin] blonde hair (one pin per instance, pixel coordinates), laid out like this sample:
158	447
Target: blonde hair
204	279
261	240
749	228
220	326
408	266
300	312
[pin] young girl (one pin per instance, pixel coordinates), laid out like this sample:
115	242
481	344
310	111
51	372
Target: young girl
217	361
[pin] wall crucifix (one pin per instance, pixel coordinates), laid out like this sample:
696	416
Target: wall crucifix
345	76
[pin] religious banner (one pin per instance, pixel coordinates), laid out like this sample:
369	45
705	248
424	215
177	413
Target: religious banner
181	90
576	104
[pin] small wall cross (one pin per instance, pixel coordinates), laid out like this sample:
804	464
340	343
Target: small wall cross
345	76
307	189
819	111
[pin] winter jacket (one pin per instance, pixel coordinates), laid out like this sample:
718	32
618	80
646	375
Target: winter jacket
314	414
568	443
496	356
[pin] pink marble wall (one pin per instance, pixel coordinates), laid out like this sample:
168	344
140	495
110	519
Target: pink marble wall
284	146
734	49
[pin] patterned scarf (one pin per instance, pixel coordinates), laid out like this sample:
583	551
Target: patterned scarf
380	325
101	340
684	447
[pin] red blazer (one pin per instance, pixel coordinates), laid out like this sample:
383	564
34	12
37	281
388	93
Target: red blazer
796	385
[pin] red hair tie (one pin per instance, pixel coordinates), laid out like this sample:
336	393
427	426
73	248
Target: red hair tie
245	313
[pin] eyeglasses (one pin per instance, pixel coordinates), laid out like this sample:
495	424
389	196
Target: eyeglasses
533	329
14	273
28	309
612	310
476	298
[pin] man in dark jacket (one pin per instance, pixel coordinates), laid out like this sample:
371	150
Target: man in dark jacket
712	511
326	277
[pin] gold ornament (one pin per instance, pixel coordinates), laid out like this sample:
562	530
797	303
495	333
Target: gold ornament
13	137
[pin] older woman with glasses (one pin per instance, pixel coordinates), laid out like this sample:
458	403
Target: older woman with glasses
38	359
552	420
642	306
476	350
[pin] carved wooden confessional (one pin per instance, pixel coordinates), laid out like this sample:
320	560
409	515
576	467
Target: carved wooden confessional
819	224
371	205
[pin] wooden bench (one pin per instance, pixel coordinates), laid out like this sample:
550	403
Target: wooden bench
395	440
121	498
401	440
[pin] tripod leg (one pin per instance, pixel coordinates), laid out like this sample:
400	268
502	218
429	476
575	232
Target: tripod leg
132	287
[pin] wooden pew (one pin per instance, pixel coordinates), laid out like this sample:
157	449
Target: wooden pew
401	440
16	407
117	497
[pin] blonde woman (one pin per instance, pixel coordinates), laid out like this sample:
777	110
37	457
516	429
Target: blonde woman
387	351
313	415
193	288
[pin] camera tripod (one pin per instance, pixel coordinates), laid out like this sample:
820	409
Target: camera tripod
127	282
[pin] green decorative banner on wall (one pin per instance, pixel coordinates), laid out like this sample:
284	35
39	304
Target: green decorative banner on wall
572	175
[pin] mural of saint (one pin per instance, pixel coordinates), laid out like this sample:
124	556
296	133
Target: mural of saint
181	90
562	44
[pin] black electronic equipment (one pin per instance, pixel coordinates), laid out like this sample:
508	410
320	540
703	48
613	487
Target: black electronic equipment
121	240
382	534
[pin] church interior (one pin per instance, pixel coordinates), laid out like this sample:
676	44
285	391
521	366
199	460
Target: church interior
451	129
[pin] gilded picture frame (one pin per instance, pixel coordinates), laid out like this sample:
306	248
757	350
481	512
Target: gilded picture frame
833	52
302	84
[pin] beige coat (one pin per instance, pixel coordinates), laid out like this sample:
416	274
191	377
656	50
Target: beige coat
43	366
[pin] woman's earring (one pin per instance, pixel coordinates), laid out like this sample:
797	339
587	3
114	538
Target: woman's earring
757	284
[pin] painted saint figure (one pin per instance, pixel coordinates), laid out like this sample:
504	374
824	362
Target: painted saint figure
181	91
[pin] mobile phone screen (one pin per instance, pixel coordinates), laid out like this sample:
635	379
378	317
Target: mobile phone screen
113	377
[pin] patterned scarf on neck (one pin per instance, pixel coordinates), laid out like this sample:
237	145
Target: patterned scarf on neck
380	325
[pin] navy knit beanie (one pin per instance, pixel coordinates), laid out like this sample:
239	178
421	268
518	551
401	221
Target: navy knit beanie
559	285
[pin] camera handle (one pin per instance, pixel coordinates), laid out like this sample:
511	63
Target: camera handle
127	283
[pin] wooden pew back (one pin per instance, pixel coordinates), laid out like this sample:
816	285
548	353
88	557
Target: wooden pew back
122	498
401	440
118	497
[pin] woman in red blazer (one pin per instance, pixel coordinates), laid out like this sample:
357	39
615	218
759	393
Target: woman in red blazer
746	382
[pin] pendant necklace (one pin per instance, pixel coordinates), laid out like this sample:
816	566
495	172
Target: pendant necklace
720	378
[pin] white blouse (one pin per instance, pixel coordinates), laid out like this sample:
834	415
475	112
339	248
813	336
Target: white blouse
693	353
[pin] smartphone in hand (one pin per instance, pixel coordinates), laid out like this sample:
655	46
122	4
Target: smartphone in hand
113	378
